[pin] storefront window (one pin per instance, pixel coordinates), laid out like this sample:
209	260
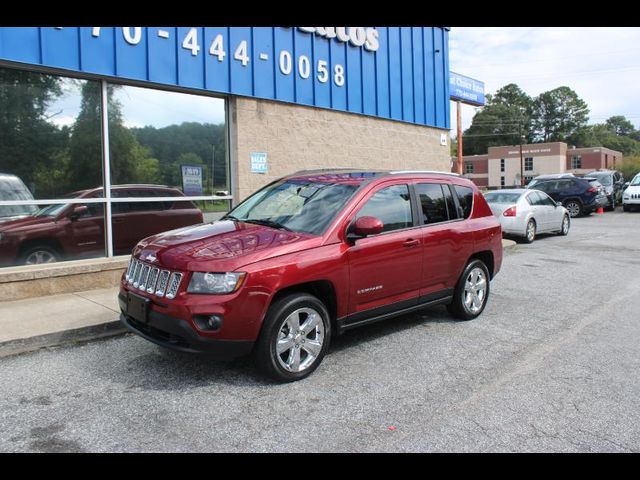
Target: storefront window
163	144
167	151
50	148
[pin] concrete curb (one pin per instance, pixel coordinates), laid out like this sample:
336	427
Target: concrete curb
508	245
65	337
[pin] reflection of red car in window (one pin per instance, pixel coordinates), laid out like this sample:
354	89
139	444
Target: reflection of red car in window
70	231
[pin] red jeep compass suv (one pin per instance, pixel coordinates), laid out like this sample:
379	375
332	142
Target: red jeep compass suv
310	255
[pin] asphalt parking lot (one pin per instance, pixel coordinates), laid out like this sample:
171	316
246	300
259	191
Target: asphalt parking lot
551	365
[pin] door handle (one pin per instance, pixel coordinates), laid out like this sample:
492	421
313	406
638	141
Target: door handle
411	243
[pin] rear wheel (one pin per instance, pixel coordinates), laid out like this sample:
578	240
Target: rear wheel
566	223
294	338
574	207
530	232
471	292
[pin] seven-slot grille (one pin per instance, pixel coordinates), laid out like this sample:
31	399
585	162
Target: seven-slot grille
150	279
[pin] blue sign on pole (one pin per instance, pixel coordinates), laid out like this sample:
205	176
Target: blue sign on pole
466	89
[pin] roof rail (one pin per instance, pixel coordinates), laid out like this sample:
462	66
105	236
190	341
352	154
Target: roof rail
337	169
398	172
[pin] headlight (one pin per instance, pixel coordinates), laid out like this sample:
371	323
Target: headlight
207	282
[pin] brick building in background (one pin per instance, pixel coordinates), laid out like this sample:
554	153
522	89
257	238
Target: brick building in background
501	166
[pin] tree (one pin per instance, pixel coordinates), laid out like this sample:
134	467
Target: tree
505	120
558	114
620	125
28	139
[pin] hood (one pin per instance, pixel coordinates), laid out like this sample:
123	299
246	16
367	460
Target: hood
11	224
632	189
222	246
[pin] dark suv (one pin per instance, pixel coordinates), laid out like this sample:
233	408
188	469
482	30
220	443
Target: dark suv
65	231
613	183
310	255
577	195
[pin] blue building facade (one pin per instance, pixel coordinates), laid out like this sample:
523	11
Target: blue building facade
399	73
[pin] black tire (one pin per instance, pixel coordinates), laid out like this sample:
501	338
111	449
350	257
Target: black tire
564	232
39	254
265	354
458	308
530	231
574	207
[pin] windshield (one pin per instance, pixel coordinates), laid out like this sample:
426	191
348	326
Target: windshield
635	181
299	205
53	210
502	197
603	178
12	188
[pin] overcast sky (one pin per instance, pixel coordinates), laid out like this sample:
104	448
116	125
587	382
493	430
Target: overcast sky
602	65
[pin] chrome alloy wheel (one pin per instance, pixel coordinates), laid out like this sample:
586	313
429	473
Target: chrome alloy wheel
565	225
475	290
40	256
531	231
573	208
300	339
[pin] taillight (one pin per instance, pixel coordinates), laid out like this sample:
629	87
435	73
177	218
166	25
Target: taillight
510	212
592	189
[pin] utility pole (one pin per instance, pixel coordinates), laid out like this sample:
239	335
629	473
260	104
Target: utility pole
521	160
459	137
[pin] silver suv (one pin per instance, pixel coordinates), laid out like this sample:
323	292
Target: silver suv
613	183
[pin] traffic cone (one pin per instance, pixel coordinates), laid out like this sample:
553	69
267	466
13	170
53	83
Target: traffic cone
600	211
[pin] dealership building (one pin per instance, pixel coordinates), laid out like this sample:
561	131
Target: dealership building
505	165
96	116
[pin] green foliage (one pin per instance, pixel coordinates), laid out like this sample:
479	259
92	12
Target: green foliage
505	120
54	160
558	114
630	167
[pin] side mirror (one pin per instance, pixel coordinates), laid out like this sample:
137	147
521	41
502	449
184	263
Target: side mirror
78	211
558	204
626	184
365	226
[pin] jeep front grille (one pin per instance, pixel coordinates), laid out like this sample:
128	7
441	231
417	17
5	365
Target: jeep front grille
153	280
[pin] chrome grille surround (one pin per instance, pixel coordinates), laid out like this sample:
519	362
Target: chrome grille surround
144	276
163	279
174	284
153	280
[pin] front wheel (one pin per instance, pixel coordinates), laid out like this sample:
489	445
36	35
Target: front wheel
294	338
39	255
471	292
566	223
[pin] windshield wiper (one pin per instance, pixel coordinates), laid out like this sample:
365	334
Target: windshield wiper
230	217
268	223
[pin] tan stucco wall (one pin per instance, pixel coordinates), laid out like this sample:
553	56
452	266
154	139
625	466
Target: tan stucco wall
297	138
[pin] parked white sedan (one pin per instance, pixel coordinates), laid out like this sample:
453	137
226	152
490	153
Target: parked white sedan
525	213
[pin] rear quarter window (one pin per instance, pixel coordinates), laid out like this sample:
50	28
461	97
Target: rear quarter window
465	199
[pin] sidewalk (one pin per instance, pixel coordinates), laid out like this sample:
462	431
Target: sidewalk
30	324
33	323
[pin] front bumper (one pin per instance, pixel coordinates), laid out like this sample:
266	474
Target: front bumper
177	334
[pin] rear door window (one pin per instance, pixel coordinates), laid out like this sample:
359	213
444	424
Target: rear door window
432	203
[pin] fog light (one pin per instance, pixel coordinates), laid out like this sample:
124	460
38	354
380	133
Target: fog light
208	323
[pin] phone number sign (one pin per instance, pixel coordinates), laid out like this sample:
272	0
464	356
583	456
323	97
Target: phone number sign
391	72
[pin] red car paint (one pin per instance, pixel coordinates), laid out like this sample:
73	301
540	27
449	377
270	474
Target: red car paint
410	263
85	236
